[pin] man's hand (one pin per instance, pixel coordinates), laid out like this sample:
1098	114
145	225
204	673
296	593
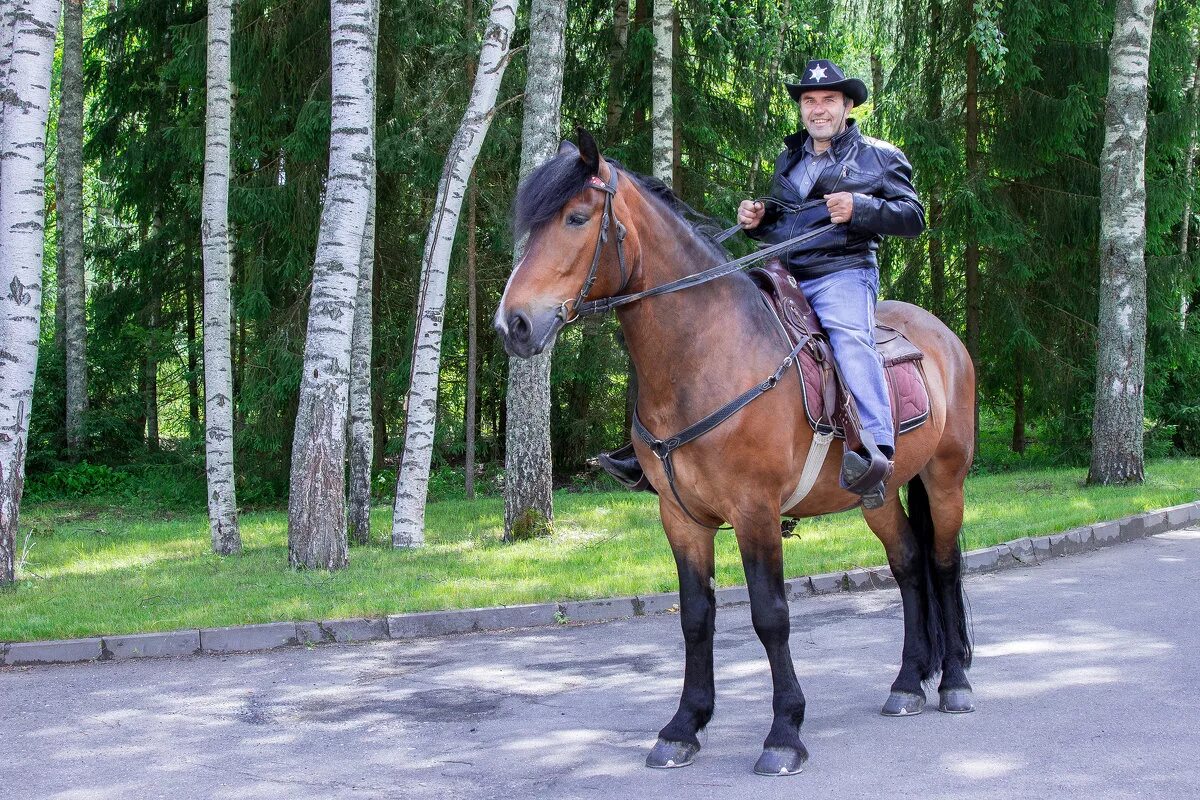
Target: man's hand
840	205
750	213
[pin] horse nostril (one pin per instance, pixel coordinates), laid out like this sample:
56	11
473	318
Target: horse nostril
519	326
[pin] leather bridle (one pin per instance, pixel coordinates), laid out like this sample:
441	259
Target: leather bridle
607	219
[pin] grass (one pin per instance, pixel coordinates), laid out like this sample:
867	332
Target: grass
93	571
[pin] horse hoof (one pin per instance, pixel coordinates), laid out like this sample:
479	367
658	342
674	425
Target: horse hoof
669	755
778	761
903	704
956	701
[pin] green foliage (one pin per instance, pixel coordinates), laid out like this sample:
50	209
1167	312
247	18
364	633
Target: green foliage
1033	210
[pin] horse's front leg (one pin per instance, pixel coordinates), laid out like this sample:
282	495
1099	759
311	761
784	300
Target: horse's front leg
693	548
761	546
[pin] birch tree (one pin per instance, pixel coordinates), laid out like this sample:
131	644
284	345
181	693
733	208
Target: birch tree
218	368
1117	455
26	90
412	481
662	127
528	469
362	434
317	499
70	223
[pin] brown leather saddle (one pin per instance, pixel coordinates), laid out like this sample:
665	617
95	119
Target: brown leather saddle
827	404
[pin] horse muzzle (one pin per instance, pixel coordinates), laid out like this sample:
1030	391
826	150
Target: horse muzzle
526	333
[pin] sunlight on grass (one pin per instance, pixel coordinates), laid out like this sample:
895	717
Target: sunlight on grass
106	571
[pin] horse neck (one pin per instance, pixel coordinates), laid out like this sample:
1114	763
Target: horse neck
687	344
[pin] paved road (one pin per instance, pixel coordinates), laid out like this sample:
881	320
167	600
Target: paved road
1086	673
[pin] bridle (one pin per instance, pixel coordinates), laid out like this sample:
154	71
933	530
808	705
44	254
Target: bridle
607	219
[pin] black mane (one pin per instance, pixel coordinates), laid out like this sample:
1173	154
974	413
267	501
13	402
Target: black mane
548	188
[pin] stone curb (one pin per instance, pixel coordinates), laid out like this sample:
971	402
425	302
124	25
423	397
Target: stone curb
255	638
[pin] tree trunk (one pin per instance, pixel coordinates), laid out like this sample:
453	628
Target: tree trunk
70	223
971	256
528	467
26	89
662	128
469	412
933	91
471	405
412	483
1117	455
378	411
193	364
362	434
1189	168
153	442
615	102
1018	437
317	501
876	78
218	370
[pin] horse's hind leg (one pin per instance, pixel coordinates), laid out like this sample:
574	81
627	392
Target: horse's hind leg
908	557
693	548
939	499
762	557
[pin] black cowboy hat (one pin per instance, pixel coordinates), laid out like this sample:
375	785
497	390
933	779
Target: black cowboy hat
822	73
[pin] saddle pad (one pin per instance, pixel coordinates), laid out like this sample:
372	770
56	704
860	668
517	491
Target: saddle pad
901	358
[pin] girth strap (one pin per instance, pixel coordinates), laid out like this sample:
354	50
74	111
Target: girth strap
663	449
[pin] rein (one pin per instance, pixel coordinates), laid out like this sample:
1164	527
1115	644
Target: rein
663	449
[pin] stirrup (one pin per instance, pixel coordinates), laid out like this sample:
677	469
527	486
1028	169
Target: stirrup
860	475
623	465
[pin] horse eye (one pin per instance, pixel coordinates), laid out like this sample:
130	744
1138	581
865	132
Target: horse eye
575	220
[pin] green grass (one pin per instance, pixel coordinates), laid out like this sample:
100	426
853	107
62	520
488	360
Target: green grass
108	571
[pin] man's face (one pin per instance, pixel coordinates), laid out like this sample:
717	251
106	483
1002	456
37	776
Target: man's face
824	113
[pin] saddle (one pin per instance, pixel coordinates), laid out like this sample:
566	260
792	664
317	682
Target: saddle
828	404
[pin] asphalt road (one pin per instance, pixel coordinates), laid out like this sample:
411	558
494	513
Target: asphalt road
1085	675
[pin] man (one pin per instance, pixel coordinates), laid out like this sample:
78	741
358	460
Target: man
830	172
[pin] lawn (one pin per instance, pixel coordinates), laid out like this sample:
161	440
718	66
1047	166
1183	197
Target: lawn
94	570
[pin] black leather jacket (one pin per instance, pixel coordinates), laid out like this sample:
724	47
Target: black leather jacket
885	204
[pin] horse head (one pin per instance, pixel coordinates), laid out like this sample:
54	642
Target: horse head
570	206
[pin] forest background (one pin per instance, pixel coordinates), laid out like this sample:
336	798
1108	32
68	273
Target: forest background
1010	260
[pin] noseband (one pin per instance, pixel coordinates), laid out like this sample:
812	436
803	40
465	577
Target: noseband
607	218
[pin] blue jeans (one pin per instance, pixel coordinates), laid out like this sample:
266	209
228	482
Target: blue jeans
845	304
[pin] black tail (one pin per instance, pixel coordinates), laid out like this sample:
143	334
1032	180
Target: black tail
947	619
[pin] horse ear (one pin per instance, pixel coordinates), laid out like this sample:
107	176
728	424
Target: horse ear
589	153
567	146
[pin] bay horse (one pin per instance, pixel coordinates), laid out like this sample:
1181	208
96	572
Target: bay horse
597	231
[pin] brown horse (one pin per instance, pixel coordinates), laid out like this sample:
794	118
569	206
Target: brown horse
696	349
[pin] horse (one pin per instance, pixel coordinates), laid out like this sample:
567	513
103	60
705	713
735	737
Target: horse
695	349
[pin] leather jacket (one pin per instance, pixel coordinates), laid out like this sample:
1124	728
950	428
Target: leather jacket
885	204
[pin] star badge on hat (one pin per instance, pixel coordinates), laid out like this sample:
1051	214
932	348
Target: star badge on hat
821	73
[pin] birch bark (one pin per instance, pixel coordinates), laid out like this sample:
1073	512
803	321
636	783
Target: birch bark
362	434
412	482
218	367
22	230
70	223
662	128
317	500
528	469
1117	455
